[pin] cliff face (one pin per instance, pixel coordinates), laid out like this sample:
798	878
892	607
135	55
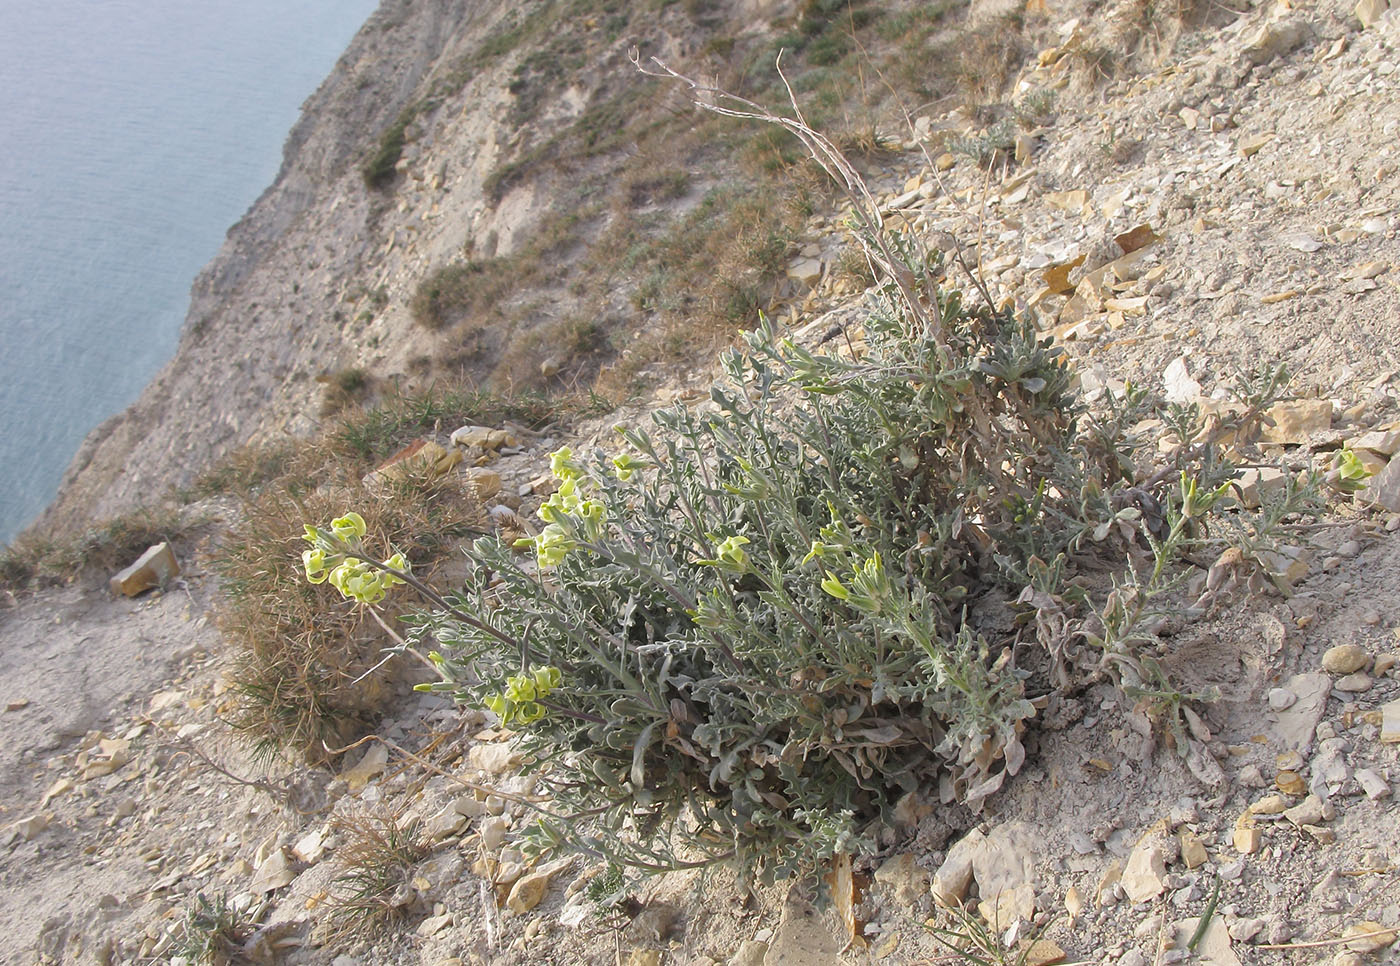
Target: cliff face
271	311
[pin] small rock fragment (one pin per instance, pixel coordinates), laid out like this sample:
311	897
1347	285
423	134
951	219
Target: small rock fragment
1375	787
1369	12
1368	937
368	768
1193	850
1246	835
1281	699
527	892
1142	876
494	758
953	877
1306	812
1344	659
906	881
154	568
275	872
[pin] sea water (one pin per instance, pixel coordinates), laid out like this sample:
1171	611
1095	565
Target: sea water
133	133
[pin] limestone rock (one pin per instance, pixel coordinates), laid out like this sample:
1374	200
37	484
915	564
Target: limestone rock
1370	11
1344	659
1383	489
527	892
1193	850
1375	787
750	953
480	437
953	877
1296	421
1214	947
487	482
804	937
1390	722
807	271
1009	906
1297	723
154	568
1273	40
494	758
1143	875
904	879
1006	859
25	829
276	871
420	458
368	768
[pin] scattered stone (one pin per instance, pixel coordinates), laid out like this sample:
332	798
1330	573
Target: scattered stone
26	829
445	823
806	271
1273	40
527	892
493	833
953	877
434	924
804	937
487	482
1142	876
1369	12
480	437
1193	850
1369	937
1297	723
154	568
18	704
368	768
1291	783
1214	946
1006	859
1074	902
1281	699
750	953
1375	787
1383	489
1009	906
1103	895
1180	387
311	847
1355	683
1307	812
1252	145
1344	659
61	787
495	758
1294	422
275	872
417	458
905	880
1390	722
1244	929
1246	835
643	957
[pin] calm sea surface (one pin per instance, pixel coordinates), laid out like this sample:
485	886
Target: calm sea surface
133	133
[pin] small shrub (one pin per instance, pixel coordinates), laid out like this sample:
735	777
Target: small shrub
303	659
376	858
743	638
450	292
212	932
380	170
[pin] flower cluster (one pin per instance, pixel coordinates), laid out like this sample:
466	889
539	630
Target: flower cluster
335	556
520	704
567	515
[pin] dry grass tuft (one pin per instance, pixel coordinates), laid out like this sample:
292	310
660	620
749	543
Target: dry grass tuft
302	653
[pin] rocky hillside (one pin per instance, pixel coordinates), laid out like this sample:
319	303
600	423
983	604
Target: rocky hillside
1173	194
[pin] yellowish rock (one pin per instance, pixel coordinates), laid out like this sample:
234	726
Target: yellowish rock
527	892
1294	422
1193	850
1246	835
1368	937
1074	902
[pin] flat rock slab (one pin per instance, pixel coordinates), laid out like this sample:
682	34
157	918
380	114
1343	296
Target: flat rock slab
1297	723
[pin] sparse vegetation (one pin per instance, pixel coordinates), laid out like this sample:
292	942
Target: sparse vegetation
376	858
302	659
211	933
742	638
